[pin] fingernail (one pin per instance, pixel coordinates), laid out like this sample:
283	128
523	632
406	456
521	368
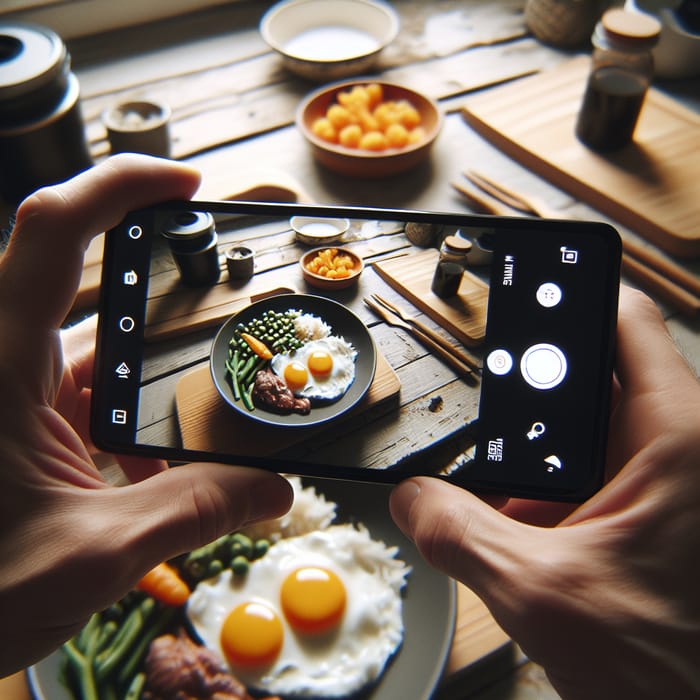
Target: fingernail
402	498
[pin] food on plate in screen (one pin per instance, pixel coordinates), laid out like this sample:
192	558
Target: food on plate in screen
287	362
300	606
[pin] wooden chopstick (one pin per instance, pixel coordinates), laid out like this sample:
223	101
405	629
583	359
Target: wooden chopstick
666	279
674	272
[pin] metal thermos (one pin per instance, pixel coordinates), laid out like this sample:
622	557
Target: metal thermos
42	135
193	243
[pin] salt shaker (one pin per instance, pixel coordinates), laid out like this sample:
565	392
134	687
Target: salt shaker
450	267
621	71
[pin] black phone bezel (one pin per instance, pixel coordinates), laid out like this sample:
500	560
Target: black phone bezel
609	276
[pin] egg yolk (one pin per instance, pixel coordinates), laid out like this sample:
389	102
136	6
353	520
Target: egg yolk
320	363
251	635
313	599
295	375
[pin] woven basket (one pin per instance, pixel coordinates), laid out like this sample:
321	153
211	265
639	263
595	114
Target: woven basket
563	23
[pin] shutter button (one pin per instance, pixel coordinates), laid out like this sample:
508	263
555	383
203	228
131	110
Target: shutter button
543	366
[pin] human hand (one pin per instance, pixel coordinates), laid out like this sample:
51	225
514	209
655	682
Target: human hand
607	602
71	544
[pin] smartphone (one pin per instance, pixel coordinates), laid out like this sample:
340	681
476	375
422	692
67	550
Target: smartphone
531	423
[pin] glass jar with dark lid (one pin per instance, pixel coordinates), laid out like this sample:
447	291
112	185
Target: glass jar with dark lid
452	261
622	68
42	136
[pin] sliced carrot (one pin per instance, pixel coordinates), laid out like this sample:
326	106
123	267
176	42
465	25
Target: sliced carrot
257	346
164	583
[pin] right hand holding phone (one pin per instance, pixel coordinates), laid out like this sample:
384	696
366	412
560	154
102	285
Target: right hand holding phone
607	600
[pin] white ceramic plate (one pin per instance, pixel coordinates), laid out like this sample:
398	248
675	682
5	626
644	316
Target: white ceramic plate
429	608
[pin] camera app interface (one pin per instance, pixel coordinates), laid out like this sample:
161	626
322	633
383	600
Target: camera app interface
240	333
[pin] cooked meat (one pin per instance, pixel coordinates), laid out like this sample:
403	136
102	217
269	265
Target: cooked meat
179	669
271	393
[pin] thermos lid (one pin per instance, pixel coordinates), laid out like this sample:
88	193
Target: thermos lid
186	224
31	57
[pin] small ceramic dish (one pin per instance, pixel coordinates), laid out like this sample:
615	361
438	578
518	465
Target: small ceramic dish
324	40
322	281
362	162
139	127
317	231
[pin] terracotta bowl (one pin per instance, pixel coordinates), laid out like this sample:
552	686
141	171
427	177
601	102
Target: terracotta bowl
321	281
365	163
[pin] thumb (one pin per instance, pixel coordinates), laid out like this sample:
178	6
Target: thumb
185	507
461	535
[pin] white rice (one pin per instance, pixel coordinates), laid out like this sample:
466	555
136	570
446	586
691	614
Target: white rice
309	327
310	511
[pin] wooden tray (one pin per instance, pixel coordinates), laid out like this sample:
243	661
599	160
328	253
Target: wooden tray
650	185
208	423
464	316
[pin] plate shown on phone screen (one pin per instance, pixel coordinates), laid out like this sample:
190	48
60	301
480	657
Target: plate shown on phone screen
343	323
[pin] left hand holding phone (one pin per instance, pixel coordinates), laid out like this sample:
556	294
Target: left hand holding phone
72	544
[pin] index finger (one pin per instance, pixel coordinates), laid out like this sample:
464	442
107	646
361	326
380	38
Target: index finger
42	264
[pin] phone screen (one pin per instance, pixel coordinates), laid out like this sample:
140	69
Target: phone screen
175	328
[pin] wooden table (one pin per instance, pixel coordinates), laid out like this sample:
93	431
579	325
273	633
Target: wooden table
233	110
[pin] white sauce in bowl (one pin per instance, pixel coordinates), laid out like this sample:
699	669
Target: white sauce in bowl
331	43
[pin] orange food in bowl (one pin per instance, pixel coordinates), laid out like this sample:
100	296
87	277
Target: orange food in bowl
331	264
362	118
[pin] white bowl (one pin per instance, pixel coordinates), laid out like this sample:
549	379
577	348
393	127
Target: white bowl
319	231
328	39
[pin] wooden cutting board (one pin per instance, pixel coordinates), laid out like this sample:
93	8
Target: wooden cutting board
464	315
650	185
207	422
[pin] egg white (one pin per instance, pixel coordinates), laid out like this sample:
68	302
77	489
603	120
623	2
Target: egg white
338	381
332	665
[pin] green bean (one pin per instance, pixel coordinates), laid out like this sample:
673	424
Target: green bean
247	397
246	368
86	633
134	628
257	366
131	664
107	635
135	687
83	668
233	368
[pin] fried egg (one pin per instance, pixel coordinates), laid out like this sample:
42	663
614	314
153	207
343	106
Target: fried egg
320	370
318	616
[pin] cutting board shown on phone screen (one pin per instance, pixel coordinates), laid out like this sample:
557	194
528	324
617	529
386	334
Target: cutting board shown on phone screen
463	315
650	185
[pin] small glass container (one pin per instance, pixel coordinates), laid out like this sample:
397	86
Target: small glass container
450	267
622	69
